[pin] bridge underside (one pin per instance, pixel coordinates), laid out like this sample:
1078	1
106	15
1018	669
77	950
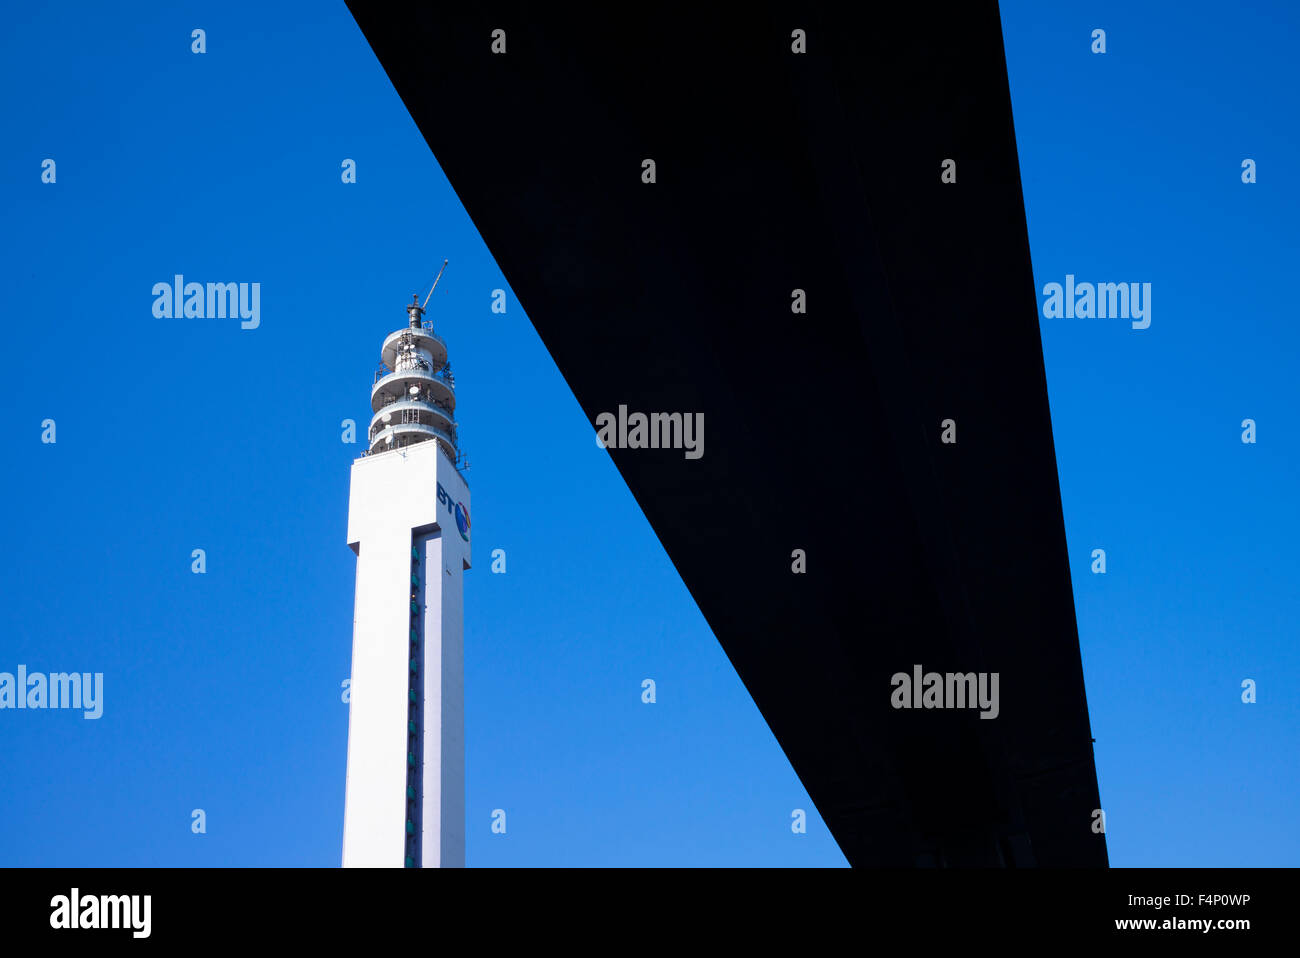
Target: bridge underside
818	172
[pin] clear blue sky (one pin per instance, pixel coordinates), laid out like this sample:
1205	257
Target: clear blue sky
222	690
1131	163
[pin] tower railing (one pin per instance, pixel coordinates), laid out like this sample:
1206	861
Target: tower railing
421	398
443	373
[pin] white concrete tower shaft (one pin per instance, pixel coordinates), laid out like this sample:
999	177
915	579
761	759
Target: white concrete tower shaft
408	523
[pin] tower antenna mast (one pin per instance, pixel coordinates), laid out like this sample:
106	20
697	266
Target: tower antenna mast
434	286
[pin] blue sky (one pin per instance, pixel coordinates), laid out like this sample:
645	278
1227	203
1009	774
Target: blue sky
222	690
1131	164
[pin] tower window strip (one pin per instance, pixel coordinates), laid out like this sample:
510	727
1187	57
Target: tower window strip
414	725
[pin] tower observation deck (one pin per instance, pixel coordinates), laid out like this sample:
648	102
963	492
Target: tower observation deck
413	397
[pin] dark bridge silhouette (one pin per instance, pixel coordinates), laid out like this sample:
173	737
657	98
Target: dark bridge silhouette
820	172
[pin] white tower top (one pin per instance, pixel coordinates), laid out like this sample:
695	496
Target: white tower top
414	393
409	525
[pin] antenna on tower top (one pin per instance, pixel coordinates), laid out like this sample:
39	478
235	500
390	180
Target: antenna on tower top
435	285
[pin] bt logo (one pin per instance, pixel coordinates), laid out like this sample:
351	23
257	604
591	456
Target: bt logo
456	509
